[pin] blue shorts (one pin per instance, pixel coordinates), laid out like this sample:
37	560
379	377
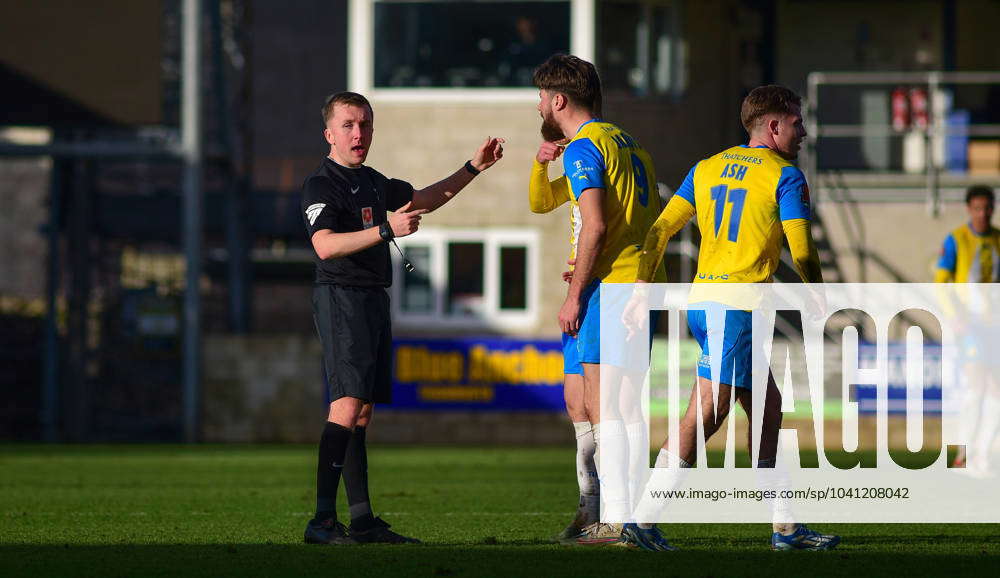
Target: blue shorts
737	339
588	339
571	356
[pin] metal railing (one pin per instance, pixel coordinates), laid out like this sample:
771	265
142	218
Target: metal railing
894	186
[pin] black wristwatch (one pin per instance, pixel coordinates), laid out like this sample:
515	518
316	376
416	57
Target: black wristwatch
472	170
385	231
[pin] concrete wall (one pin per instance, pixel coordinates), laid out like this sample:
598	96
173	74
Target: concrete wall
262	388
901	240
269	389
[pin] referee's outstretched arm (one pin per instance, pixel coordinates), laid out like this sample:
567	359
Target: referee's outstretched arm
442	191
329	245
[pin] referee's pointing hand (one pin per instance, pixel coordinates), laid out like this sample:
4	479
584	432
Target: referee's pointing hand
404	221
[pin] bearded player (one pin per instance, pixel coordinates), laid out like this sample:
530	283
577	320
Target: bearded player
607	179
545	196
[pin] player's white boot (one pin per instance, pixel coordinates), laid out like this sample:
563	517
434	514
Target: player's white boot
600	533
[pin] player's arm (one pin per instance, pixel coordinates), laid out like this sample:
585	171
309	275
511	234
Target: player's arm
803	250
323	211
330	245
945	272
592	230
584	167
545	195
792	195
672	219
674	216
432	197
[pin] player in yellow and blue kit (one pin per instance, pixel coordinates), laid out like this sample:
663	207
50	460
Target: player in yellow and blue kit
611	182
545	196
745	198
971	254
602	157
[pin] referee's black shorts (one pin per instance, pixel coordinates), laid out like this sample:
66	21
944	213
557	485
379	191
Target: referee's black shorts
356	337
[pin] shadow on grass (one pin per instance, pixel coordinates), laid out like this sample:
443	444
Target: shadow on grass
502	559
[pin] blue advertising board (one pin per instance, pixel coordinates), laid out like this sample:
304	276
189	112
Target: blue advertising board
866	393
486	374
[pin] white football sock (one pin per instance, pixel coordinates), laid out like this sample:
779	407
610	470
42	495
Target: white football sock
596	428
613	471
665	459
586	472
650	508
772	476
638	459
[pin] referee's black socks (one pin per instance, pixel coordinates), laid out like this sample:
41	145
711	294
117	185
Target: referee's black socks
356	481
332	452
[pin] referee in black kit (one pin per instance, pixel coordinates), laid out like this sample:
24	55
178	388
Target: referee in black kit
345	207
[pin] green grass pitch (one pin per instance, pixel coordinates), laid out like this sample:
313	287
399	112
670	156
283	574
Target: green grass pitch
240	510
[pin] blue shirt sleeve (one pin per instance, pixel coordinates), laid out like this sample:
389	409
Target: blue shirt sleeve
793	195
686	190
584	166
949	254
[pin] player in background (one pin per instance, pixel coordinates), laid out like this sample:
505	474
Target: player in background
611	185
971	254
744	198
545	196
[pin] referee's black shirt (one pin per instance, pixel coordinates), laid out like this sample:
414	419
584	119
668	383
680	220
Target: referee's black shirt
346	200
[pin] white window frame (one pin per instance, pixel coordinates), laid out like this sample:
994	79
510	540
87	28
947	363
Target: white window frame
493	317
361	59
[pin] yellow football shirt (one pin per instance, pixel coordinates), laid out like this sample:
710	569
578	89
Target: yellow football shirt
968	257
602	155
741	196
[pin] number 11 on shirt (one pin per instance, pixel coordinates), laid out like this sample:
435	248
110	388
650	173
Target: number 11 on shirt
734	196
